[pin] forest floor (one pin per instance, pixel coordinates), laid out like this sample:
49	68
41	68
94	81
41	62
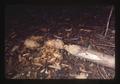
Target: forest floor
27	31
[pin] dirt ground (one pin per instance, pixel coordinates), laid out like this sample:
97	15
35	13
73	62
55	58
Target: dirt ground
27	29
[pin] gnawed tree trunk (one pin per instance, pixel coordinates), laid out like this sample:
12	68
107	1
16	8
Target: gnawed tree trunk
91	55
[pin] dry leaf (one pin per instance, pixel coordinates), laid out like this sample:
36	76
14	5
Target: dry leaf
37	59
36	38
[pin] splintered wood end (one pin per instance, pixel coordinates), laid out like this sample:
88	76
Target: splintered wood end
56	43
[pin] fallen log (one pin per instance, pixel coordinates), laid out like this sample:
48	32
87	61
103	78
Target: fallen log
91	55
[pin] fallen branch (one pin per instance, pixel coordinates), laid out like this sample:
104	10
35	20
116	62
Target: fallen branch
106	45
107	26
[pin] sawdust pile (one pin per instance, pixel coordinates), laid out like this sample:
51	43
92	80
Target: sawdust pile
49	57
32	42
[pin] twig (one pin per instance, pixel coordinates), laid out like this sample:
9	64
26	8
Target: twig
105	72
107	26
58	37
99	71
105	45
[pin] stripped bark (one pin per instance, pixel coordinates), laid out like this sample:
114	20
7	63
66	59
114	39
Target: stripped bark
92	55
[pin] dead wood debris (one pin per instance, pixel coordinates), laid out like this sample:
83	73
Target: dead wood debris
48	60
45	61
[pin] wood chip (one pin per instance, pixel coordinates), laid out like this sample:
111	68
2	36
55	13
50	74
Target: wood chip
83	70
13	36
58	37
91	65
28	74
26	54
65	65
70	29
52	60
57	55
74	49
81	76
36	38
31	44
14	48
55	66
37	64
113	31
86	30
42	70
37	59
16	76
19	58
46	71
56	43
